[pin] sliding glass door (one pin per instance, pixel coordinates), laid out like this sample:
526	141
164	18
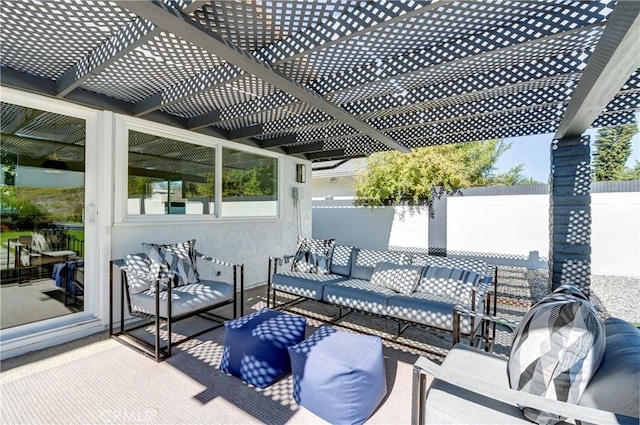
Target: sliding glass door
42	183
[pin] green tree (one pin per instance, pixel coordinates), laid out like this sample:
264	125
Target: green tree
613	148
631	173
513	177
393	178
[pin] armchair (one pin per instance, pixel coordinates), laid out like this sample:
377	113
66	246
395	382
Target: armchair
161	300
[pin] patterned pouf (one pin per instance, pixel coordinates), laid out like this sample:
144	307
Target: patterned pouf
339	376
255	346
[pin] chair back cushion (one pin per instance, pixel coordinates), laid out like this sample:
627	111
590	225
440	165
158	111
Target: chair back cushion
556	349
313	255
138	268
400	278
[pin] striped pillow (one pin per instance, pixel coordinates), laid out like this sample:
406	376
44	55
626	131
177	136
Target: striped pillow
556	350
313	255
172	260
400	278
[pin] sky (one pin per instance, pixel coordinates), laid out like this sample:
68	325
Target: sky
534	153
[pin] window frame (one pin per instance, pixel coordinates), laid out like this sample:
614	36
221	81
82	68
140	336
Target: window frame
121	156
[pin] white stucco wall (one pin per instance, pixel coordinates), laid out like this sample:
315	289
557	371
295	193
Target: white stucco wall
371	228
615	233
514	227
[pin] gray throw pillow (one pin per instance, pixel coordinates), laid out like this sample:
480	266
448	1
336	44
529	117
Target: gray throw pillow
313	255
400	278
556	349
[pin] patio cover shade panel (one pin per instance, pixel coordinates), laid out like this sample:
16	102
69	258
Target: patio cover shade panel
330	79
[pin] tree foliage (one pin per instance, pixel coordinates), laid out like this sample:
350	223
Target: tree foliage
393	178
613	148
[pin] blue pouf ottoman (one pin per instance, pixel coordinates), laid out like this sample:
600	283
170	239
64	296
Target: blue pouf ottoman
339	376
255	346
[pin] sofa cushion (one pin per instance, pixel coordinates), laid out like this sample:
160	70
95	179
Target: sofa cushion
341	260
452	283
359	294
313	255
399	278
556	349
365	261
478	266
619	369
308	285
427	309
184	299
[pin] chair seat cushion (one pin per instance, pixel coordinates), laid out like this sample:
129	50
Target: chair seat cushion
184	299
359	294
450	404
305	284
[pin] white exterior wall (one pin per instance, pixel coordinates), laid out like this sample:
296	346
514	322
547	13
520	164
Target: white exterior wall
507	230
510	229
615	233
371	228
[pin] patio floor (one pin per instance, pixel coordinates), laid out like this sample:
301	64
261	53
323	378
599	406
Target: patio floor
98	380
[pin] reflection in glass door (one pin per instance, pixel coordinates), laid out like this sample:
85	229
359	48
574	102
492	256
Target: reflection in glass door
42	184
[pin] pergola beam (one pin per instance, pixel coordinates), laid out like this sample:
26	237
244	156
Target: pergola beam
124	41
614	59
376	15
197	34
327	155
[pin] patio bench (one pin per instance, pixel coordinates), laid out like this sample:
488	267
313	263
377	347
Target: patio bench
165	284
410	289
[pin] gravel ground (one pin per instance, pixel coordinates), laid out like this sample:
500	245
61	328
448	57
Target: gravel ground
617	296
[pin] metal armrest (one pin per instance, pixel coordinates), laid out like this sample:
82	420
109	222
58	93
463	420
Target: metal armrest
238	268
215	260
455	377
460	310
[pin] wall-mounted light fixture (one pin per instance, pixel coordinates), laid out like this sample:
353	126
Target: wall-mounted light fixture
301	173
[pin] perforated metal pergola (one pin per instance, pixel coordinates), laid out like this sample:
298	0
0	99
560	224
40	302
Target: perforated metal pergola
332	79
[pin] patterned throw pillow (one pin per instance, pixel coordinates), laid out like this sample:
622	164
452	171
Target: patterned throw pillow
170	260
556	350
313	255
400	278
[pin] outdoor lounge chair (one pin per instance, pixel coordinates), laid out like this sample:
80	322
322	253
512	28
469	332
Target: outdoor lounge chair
471	386
166	300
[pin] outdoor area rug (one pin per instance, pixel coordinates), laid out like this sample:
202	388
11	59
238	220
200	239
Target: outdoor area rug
118	385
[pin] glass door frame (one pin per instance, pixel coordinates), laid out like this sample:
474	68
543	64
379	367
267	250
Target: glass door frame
48	332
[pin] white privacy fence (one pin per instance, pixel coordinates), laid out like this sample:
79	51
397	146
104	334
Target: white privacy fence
507	229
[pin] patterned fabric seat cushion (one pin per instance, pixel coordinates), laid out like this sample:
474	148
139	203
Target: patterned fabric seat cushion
313	255
427	309
399	278
359	294
365	261
308	285
556	349
184	299
452	283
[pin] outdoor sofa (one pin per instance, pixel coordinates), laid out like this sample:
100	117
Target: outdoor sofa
565	365
167	283
412	289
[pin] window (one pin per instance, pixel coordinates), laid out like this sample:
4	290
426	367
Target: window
168	176
174	173
249	184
